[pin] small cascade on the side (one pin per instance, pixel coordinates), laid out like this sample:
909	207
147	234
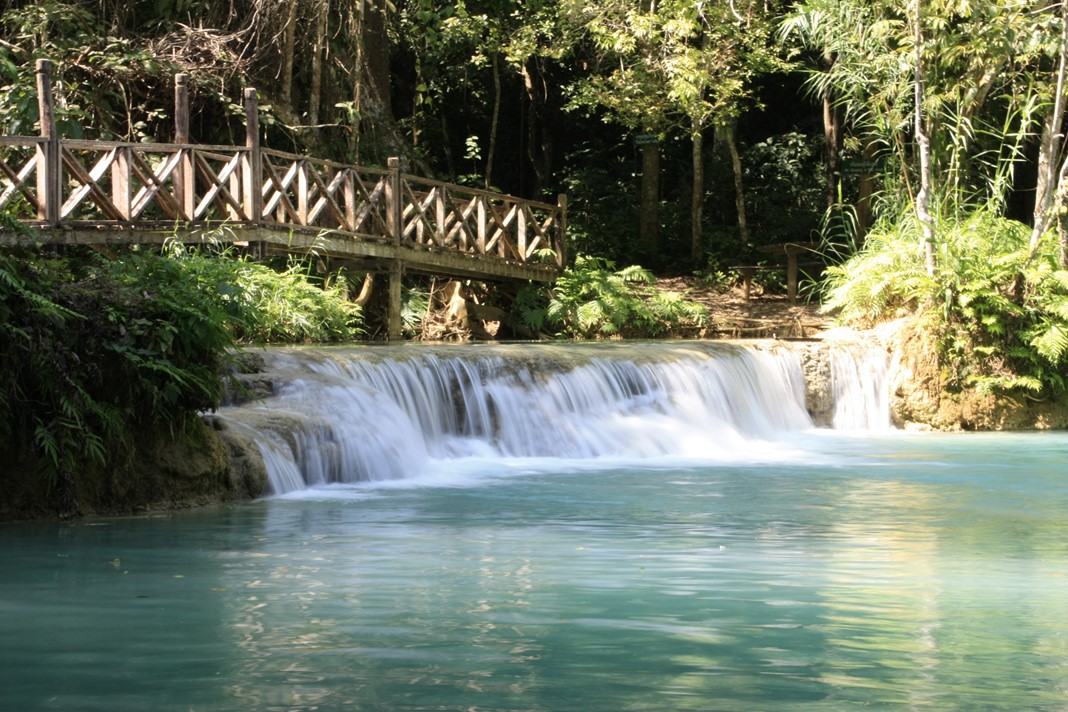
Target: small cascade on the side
383	413
861	387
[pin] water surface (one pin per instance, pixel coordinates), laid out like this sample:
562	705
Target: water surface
890	571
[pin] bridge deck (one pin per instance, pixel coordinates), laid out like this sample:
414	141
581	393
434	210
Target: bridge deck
376	253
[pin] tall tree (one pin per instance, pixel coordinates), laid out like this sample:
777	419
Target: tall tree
678	65
945	91
923	142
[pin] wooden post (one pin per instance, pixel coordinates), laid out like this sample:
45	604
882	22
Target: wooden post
561	230
521	233
49	161
184	186
393	327
747	274
791	272
303	208
394	202
348	187
252	170
120	182
439	216
481	223
395	224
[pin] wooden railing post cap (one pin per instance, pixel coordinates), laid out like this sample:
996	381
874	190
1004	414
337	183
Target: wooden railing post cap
393	162
181	79
44	66
250	93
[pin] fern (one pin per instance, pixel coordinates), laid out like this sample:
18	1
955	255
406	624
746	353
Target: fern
594	299
1001	314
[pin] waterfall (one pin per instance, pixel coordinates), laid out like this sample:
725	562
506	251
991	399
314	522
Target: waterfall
861	387
354	414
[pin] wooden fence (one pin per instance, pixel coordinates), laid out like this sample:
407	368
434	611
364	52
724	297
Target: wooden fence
111	192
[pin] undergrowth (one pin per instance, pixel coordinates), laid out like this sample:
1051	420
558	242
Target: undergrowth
1000	314
592	299
94	352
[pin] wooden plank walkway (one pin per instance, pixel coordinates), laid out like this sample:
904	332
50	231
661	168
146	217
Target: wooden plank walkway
114	193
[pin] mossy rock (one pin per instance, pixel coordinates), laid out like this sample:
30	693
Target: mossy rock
197	466
921	400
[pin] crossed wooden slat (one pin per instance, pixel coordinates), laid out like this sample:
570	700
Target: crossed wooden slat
125	163
119	182
301	196
16	179
218	192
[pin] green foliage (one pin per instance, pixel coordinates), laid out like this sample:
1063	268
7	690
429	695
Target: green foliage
787	168
530	307
90	348
987	82
1001	319
415	305
287	307
885	280
103	81
601	205
264	305
593	299
93	351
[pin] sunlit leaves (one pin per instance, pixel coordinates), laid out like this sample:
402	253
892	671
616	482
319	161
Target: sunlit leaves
594	299
673	64
95	351
994	334
986	73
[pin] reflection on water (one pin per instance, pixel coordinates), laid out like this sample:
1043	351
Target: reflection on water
912	572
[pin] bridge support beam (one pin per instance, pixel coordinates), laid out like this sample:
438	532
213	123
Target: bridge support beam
393	327
49	160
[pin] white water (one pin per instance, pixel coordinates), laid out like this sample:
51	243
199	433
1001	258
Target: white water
861	389
373	414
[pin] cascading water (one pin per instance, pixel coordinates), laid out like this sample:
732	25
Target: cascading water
861	388
373	413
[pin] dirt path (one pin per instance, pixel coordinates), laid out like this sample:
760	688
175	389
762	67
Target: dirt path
761	316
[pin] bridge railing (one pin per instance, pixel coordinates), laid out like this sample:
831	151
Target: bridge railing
57	183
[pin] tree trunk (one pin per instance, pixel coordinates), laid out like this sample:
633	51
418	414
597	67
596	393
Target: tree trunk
832	136
376	54
1062	238
727	132
697	197
290	41
923	143
377	116
1049	153
539	138
491	150
649	220
864	196
318	50
359	53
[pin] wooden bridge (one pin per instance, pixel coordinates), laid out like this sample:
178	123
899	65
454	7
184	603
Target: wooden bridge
114	193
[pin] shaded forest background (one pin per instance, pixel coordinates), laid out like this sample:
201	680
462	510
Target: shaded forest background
517	96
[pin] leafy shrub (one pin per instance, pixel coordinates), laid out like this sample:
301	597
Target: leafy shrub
287	307
884	281
594	299
264	305
1000	314
93	351
785	181
89	349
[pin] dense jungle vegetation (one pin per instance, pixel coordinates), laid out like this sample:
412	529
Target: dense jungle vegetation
916	148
